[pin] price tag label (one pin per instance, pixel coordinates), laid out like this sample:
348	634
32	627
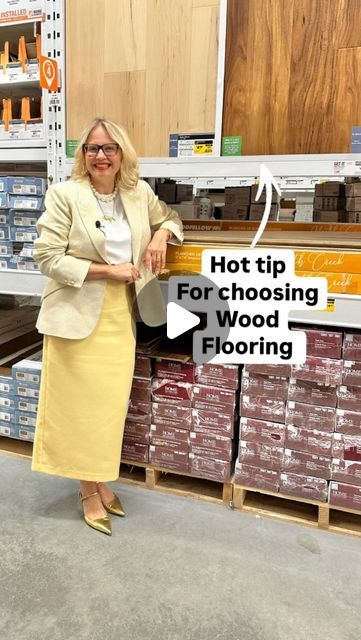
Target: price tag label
347	168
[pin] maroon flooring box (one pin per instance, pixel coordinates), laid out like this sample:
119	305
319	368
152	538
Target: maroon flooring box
218	375
135	452
220	423
351	373
172	392
261	431
348	422
177	447
261	455
352	346
346	447
173	434
323	344
308	464
269	369
256	477
309	416
324	370
303	486
345	495
169	459
141	390
211	446
348	471
172	415
323	395
143	366
262	408
255	384
219	470
311	441
175	370
214	399
137	432
139	412
349	398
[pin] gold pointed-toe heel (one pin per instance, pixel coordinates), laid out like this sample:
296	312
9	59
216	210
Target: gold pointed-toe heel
100	524
114	506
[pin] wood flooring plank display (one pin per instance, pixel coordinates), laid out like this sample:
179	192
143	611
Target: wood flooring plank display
347	104
148	64
287	73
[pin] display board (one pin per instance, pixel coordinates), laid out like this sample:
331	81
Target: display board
149	64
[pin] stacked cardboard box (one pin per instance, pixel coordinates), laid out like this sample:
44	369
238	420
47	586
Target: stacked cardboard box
353	202
237	201
329	202
136	430
288	416
256	210
262	425
21	204
19	394
345	488
214	431
172	393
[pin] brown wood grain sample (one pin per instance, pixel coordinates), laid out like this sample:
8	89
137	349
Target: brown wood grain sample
285	74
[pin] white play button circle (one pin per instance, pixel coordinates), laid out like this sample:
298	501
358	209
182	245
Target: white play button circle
179	320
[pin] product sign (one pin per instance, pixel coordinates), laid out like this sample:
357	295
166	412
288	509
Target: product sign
49	74
21	11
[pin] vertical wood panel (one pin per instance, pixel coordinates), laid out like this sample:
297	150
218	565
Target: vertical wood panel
283	88
148	64
203	67
127	89
347	106
84	63
124	28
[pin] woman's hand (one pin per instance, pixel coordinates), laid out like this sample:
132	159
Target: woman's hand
156	252
126	272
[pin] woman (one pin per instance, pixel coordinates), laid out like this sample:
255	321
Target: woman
102	240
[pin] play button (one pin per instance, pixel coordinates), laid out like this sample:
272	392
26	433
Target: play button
179	320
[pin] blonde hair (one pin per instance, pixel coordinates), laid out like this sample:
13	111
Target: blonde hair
128	174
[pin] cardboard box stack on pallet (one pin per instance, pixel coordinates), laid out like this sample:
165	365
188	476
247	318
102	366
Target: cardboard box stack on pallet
21	205
345	488
189	424
19	394
301	424
139	417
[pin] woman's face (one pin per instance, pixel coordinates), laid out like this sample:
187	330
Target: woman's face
102	167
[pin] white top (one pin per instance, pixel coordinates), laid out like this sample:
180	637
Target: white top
118	239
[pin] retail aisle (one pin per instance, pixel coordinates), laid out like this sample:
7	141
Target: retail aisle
174	569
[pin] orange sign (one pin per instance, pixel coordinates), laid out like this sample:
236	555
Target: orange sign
49	74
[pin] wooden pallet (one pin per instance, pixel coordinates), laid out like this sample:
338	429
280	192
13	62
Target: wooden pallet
298	510
16	448
176	483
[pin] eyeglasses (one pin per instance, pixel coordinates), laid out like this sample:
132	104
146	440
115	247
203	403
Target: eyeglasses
109	150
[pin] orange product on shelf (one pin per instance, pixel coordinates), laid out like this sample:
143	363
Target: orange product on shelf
337	282
29	50
5	56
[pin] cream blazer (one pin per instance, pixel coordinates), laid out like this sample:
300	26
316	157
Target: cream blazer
69	241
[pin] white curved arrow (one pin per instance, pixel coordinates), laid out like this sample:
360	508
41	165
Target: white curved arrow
266	179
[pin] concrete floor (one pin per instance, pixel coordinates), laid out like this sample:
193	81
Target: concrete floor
174	569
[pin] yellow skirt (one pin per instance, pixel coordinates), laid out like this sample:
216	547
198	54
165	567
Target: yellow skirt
84	393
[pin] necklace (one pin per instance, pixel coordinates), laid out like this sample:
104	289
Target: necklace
106	199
